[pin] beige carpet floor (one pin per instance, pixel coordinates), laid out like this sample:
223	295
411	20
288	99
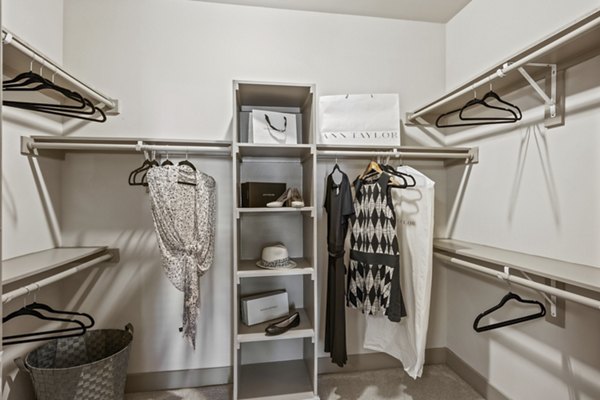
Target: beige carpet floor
437	383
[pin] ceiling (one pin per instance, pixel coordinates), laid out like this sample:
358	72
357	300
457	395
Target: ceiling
417	10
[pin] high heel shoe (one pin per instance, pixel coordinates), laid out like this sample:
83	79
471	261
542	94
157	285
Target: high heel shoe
291	197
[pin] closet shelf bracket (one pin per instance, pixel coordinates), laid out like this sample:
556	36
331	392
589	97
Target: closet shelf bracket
553	112
550	299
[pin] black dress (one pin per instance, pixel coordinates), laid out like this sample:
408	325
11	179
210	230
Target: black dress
373	273
339	207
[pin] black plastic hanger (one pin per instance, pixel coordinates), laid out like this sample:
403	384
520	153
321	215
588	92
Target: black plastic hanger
183	181
188	163
166	162
143	169
392	171
81	109
45	307
509	117
35	336
514	110
506	298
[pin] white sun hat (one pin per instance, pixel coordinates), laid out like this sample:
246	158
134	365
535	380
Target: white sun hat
275	257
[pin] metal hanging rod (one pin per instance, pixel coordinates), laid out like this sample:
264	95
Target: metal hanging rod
6	297
507	68
30	146
470	155
521	281
9	39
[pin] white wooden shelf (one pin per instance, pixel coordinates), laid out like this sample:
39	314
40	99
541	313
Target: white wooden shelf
585	276
283	380
29	265
248	269
273	210
256	333
17	58
300	151
572	45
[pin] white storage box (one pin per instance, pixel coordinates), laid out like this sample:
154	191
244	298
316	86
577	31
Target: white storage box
263	307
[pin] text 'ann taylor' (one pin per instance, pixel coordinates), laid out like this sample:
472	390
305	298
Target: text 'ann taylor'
361	135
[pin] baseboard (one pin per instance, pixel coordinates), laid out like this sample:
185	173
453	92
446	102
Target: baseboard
472	377
165	380
154	381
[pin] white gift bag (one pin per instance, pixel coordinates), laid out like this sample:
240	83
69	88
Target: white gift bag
271	127
365	119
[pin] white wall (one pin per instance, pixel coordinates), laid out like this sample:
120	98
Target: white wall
535	191
171	64
26	222
29	214
486	32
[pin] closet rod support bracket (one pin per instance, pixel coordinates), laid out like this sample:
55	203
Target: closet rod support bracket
115	110
115	255
473	156
27	148
554	109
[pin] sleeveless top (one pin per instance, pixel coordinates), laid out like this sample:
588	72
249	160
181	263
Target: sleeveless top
373	276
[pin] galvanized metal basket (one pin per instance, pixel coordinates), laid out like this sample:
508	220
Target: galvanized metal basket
88	367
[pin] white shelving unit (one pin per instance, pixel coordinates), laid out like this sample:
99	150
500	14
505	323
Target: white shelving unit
253	228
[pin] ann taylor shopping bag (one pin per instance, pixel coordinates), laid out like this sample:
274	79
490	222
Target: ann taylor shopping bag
365	119
272	127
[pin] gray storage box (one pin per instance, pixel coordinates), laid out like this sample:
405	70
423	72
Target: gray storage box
263	307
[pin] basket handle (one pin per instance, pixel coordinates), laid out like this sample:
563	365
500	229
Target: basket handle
21	365
129	328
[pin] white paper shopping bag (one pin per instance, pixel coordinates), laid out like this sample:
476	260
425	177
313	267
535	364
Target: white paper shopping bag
271	127
365	119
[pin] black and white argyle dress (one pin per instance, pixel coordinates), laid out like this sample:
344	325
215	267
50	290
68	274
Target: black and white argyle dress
373	275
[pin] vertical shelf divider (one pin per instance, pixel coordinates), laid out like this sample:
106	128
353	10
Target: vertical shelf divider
263	162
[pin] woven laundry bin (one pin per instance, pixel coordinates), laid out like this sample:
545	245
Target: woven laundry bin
88	367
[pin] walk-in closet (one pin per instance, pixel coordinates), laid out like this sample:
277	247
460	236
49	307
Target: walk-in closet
300	200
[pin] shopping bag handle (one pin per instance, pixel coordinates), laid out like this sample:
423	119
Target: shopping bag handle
277	129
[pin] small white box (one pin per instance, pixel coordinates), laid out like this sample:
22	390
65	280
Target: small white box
263	307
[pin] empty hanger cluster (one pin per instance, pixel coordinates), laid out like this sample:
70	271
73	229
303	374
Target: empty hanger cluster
71	104
490	109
